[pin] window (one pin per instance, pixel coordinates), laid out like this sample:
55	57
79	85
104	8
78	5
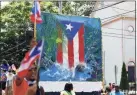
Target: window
130	29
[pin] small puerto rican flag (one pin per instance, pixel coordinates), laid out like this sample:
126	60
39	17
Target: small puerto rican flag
36	13
30	59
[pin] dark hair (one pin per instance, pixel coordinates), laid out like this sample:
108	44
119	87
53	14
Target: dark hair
4	71
113	85
68	87
10	71
108	89
116	86
101	90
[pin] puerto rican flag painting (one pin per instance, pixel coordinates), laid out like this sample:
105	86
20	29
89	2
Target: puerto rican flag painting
36	13
70	52
73	48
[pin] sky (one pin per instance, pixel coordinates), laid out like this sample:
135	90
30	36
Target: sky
4	3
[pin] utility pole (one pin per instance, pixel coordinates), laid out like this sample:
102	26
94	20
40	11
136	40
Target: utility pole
60	6
115	74
104	68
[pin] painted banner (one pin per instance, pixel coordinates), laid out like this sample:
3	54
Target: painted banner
72	48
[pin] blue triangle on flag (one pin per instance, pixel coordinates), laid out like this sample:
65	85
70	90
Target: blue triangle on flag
71	28
36	49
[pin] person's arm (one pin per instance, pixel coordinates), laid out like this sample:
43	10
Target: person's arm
18	80
42	91
7	88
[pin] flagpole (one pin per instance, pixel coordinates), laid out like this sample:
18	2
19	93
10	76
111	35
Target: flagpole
35	23
103	71
35	34
38	65
35	29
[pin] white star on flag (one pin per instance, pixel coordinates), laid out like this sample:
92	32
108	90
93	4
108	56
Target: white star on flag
69	26
40	48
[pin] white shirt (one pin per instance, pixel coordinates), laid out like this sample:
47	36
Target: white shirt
10	77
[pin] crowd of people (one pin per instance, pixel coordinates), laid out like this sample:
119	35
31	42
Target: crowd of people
6	80
112	89
12	84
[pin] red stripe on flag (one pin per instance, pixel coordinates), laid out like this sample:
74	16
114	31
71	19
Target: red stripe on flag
70	53
59	47
23	72
38	19
81	44
59	54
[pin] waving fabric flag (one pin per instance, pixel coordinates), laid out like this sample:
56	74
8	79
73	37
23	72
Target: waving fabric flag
36	13
30	58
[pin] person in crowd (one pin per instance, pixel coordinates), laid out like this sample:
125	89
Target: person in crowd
10	76
108	90
117	91
33	43
27	85
103	92
110	86
68	89
3	79
113	87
